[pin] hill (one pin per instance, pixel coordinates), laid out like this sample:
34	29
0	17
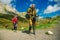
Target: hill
7	13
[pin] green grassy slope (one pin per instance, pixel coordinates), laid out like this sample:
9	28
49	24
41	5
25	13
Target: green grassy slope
5	19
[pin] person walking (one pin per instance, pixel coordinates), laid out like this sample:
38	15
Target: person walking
31	16
14	21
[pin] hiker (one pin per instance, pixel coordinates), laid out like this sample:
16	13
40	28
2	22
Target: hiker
14	21
31	16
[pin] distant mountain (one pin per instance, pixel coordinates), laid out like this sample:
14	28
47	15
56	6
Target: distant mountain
7	9
7	13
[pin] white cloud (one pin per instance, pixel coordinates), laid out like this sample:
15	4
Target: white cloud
9	5
51	9
54	0
14	0
54	8
37	10
58	2
51	0
6	1
40	17
31	0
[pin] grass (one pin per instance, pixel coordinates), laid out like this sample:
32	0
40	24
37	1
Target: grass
6	19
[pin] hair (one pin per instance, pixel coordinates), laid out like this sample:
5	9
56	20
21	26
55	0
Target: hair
32	4
15	15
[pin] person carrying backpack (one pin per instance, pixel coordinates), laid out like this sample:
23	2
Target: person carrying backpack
14	21
31	16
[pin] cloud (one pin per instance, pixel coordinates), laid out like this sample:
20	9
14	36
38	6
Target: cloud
6	1
51	9
51	0
54	8
58	2
37	10
40	17
9	5
55	0
31	0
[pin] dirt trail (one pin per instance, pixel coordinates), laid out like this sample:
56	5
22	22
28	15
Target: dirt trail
40	35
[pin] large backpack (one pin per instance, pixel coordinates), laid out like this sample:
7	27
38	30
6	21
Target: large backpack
32	10
27	16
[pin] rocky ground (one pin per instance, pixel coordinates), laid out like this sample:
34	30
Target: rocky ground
40	34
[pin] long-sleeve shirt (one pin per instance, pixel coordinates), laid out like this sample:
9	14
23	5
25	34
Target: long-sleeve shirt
14	20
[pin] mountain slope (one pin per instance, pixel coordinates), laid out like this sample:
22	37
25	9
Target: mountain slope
7	13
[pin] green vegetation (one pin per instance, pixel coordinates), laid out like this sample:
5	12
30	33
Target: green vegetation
5	22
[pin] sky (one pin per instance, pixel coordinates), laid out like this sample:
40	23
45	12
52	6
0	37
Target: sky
44	8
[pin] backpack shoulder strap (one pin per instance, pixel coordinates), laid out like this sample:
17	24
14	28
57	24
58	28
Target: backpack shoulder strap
29	10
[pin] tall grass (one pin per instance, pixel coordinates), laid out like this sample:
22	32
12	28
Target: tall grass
5	19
